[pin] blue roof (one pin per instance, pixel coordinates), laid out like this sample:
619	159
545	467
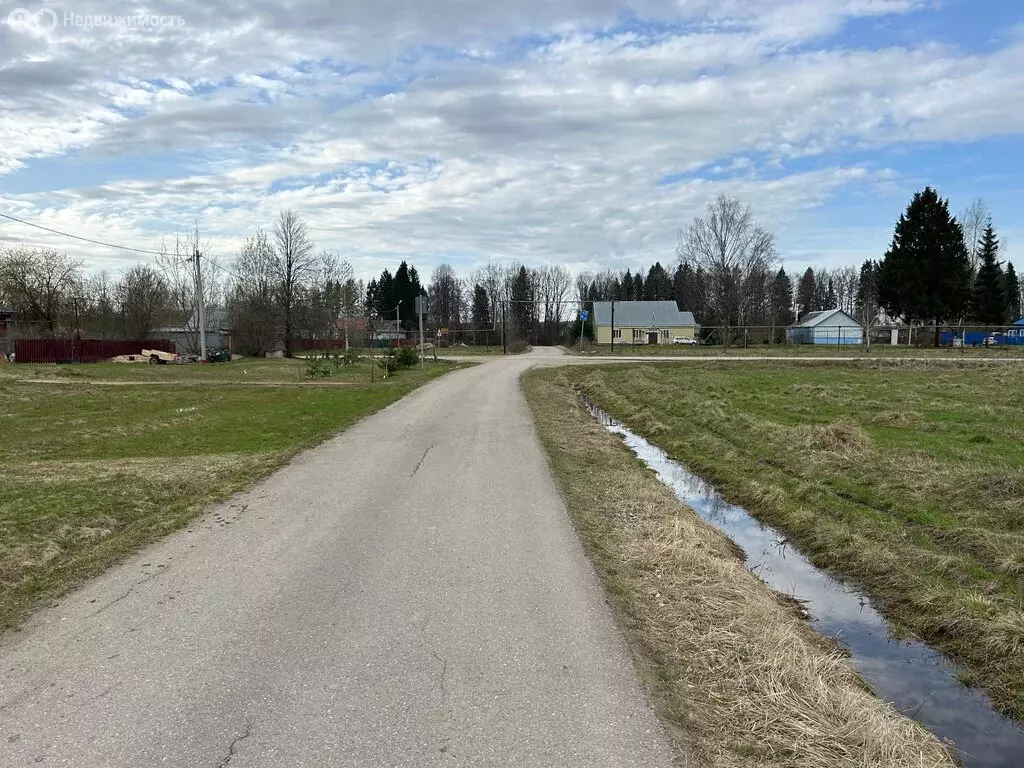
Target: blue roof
1020	322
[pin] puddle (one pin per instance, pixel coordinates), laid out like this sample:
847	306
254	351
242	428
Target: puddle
913	676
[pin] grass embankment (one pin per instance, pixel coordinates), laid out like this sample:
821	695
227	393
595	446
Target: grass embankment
92	472
907	479
731	664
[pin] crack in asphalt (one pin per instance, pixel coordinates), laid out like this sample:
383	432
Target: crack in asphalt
235	743
444	668
140	582
420	464
446	740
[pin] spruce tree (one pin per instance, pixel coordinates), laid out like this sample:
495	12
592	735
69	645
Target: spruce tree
481	311
926	274
805	293
782	302
867	292
1012	293
989	299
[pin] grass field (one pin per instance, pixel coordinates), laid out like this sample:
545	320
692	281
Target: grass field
908	479
804	350
732	666
99	460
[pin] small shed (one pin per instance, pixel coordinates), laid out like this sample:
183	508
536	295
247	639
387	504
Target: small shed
1015	334
833	326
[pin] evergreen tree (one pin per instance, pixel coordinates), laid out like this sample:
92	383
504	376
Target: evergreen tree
866	300
625	292
658	286
481	311
1012	293
522	309
781	302
638	287
926	274
805	293
989	300
831	302
615	290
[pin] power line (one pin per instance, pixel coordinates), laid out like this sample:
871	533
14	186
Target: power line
210	261
79	237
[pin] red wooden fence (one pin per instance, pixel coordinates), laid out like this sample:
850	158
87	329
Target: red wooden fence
81	350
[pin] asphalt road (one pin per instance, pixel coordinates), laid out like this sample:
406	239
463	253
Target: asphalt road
410	593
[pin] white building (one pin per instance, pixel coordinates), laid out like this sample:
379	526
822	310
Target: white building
832	326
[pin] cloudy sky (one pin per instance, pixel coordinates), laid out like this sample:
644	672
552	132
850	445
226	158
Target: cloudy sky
579	132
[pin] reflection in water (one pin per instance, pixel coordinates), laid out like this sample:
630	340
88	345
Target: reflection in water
912	675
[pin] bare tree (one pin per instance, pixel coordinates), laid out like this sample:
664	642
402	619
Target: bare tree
294	267
732	251
324	295
353	293
446	296
552	285
100	315
252	300
42	286
845	280
181	270
142	298
973	220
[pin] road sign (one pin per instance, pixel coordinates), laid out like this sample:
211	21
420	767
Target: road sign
421	305
584	315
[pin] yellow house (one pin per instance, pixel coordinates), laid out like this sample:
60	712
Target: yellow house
642	322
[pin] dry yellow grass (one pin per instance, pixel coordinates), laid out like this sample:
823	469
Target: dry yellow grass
730	663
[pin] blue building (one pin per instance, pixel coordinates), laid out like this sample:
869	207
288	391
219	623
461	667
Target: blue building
1015	335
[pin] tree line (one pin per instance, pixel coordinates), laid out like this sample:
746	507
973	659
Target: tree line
280	290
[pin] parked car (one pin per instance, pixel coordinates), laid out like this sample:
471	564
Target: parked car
684	341
991	341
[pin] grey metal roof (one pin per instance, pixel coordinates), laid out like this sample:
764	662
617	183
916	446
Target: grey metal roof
830	318
642	314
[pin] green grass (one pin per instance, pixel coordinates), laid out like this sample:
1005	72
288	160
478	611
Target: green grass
803	350
733	668
92	472
908	479
457	349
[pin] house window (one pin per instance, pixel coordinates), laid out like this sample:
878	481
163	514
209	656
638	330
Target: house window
664	335
638	334
617	333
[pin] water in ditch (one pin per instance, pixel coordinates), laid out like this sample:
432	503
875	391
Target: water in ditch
913	676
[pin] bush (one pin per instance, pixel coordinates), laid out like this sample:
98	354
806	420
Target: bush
317	368
406	357
387	362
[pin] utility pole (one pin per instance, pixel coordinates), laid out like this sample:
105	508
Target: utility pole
398	321
504	342
419	311
201	299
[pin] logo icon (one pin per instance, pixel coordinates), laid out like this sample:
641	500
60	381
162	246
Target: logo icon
23	20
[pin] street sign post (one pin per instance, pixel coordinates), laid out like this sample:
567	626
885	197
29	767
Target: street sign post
584	316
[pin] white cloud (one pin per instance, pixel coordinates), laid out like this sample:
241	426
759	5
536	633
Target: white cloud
482	145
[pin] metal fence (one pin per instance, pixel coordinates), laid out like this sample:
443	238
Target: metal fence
82	350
